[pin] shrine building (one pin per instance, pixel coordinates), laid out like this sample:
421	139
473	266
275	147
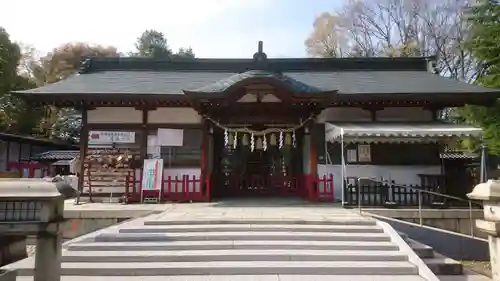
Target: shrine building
268	127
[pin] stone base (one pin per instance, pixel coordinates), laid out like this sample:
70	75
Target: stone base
9	275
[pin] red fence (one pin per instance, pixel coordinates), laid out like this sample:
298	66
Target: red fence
320	188
186	188
29	170
183	188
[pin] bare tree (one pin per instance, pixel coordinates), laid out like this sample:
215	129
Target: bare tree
328	38
398	28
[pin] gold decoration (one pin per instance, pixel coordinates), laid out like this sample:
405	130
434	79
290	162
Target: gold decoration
288	139
259	144
244	140
273	141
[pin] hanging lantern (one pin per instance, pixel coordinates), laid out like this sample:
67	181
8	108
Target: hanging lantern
252	143
264	143
259	144
244	140
294	139
288	139
281	140
230	139
235	140
273	140
226	137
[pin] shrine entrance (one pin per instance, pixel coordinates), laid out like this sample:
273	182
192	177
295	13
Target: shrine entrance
266	166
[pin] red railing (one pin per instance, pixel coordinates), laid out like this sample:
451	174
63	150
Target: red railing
187	188
320	188
28	170
183	188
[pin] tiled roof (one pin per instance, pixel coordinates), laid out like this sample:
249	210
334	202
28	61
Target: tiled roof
124	76
284	80
56	155
173	83
34	140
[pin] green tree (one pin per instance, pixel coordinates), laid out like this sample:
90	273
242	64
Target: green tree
15	115
154	44
484	43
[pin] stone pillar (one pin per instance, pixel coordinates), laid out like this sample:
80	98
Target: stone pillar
48	257
489	193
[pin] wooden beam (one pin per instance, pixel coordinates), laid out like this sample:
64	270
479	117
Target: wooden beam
144	134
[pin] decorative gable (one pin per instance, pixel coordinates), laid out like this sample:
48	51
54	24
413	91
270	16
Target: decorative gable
259	96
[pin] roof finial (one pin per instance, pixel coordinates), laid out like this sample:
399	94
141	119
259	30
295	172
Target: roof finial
260	55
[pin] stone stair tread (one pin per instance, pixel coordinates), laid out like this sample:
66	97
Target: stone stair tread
208	221
231	255
233	267
241	244
240	278
251	227
332	236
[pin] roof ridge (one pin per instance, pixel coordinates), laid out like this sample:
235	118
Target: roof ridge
95	64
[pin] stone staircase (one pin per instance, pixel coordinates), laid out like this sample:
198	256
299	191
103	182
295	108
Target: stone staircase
436	262
236	249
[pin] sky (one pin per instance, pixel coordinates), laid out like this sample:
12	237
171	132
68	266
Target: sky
213	28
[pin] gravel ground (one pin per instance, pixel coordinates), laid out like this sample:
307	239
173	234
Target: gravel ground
481	267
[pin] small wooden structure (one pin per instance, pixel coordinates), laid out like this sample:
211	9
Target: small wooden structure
16	153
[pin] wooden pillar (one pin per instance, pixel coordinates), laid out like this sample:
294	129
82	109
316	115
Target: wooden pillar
205	173
144	134
84	143
313	153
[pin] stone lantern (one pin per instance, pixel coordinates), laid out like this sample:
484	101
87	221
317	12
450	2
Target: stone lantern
35	207
489	193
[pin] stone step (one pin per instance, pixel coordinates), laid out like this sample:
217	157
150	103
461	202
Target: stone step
423	251
255	236
231	255
338	221
239	245
241	278
436	262
232	268
442	265
253	228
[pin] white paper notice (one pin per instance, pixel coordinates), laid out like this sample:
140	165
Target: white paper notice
170	137
153	146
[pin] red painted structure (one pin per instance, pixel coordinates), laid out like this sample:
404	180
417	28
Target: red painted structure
190	188
30	169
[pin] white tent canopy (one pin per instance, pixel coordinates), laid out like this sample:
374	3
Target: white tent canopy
398	130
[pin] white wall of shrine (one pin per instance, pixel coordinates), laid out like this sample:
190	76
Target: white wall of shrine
130	115
114	115
174	115
350	114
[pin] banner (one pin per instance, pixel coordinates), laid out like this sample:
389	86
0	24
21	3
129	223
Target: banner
110	137
152	174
